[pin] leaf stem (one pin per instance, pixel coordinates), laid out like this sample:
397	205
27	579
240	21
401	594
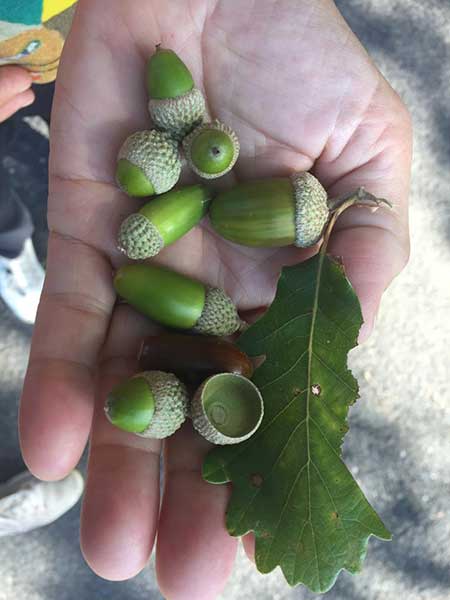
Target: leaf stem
359	197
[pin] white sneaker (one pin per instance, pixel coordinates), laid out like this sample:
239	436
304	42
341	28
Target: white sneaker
21	282
27	503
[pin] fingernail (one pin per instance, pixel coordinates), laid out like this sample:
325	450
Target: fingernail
35	76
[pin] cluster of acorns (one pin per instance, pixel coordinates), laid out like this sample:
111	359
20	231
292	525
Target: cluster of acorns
227	407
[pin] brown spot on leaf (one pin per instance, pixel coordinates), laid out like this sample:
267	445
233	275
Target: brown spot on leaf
334	516
256	480
316	389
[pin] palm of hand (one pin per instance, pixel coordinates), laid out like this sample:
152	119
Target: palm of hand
299	91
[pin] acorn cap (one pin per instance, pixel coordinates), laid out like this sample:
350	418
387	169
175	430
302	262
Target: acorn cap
151	404
219	315
178	115
227	409
163	220
273	212
167	75
175	300
148	157
211	150
139	238
311	209
171	407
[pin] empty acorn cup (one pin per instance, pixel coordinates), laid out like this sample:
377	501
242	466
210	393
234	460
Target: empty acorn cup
227	409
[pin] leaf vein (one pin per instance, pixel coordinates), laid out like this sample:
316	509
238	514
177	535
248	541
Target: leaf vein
298	544
277	331
332	502
338	327
269	383
266	476
284	508
339	377
332	448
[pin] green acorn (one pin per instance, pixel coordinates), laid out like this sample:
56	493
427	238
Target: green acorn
272	212
148	163
152	404
162	221
211	149
177	301
175	105
227	409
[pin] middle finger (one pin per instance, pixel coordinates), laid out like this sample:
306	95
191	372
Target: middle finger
121	505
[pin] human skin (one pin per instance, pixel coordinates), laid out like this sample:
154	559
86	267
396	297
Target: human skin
300	91
15	92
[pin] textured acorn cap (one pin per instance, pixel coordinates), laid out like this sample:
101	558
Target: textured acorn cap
171	404
311	209
156	154
151	404
219	315
227	409
139	238
178	115
189	142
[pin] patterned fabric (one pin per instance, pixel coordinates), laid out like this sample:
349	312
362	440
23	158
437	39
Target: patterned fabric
32	12
26	12
51	8
26	42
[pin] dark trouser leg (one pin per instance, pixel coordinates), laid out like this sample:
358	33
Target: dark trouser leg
42	105
15	219
15	226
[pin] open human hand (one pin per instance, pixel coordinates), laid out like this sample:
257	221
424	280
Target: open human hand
301	93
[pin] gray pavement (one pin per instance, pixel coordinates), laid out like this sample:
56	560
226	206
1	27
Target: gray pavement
398	446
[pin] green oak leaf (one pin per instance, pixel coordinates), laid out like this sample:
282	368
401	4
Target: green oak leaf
290	485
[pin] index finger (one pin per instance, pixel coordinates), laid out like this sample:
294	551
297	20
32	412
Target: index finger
57	400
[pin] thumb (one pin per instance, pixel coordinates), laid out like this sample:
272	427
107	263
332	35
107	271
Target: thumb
373	244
